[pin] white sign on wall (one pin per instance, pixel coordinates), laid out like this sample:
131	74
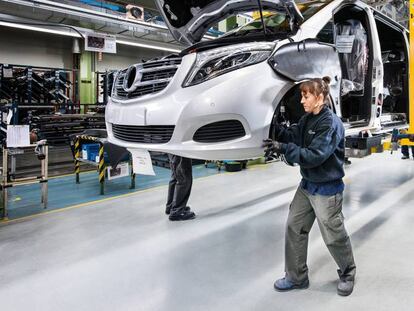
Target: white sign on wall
100	43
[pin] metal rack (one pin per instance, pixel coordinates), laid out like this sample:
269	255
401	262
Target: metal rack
46	99
31	87
7	181
104	82
57	128
29	91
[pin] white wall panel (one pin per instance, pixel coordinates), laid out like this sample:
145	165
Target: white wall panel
24	47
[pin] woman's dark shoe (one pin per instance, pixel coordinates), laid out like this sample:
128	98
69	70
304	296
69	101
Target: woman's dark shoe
345	287
284	285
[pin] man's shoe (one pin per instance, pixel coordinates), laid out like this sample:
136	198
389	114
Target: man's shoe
168	210
345	287
184	215
283	285
404	157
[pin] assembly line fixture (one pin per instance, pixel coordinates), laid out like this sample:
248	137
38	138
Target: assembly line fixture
42	151
100	164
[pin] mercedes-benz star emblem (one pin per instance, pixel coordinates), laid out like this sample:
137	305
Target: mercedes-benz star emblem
132	77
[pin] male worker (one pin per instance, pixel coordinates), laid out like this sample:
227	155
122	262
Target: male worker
316	143
179	189
405	150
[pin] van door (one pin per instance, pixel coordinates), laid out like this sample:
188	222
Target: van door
395	55
357	42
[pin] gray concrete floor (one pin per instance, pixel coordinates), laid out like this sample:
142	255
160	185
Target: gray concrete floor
123	254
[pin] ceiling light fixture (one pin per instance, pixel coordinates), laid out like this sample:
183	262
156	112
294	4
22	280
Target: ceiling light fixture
76	35
40	29
147	46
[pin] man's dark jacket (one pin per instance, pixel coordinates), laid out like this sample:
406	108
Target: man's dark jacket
317	144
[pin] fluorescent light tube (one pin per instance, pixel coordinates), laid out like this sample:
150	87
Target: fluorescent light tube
40	29
76	35
147	46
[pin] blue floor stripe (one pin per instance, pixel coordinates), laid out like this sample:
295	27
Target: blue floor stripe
24	200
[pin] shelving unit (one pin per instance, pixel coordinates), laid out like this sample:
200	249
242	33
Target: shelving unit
104	81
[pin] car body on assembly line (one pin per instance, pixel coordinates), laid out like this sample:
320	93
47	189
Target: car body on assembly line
218	99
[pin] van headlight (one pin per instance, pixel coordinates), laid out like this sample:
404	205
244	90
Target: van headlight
213	63
115	82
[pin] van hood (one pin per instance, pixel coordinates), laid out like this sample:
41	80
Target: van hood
188	20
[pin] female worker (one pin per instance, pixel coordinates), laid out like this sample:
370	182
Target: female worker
316	143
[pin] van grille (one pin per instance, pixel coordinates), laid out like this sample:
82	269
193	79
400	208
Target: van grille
150	134
219	131
155	76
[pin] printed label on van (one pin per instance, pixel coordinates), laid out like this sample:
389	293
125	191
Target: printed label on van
344	43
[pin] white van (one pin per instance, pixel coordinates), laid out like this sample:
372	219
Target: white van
218	99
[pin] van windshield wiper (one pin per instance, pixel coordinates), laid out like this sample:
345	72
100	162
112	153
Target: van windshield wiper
245	32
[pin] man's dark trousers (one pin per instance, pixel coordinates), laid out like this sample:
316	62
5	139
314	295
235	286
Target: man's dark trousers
179	188
405	151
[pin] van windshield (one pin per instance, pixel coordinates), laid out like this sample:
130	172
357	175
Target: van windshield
278	22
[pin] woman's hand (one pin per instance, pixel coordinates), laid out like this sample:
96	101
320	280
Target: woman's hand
271	146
